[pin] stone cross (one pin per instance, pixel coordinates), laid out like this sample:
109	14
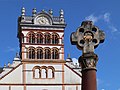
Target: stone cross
87	37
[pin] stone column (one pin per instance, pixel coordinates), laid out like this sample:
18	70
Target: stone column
88	63
87	38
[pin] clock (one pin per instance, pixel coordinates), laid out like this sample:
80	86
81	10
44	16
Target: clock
43	20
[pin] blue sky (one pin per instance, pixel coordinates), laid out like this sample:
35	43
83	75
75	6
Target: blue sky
104	13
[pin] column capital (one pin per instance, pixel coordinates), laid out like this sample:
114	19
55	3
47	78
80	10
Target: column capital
88	61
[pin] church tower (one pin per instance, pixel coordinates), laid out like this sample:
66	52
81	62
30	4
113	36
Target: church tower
41	36
41	65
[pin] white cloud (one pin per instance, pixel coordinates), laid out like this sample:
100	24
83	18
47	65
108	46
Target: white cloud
102	84
92	18
106	17
99	81
11	49
75	60
110	24
113	29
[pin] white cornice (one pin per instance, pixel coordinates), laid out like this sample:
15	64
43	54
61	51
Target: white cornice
42	28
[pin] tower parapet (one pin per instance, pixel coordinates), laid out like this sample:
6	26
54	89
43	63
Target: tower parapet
42	18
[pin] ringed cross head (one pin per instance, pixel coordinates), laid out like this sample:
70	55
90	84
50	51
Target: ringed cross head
87	37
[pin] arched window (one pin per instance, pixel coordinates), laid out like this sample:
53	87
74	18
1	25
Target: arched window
39	53
31	53
43	72
39	38
47	53
51	71
47	38
55	53
36	72
22	37
31	38
55	38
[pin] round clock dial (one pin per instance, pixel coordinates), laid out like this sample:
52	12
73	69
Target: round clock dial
43	21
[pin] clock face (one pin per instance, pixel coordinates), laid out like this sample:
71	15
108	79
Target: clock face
43	20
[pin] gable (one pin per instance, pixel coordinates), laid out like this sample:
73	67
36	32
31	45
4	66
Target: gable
13	76
71	76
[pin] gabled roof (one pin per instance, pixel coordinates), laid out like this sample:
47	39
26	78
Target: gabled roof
77	72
